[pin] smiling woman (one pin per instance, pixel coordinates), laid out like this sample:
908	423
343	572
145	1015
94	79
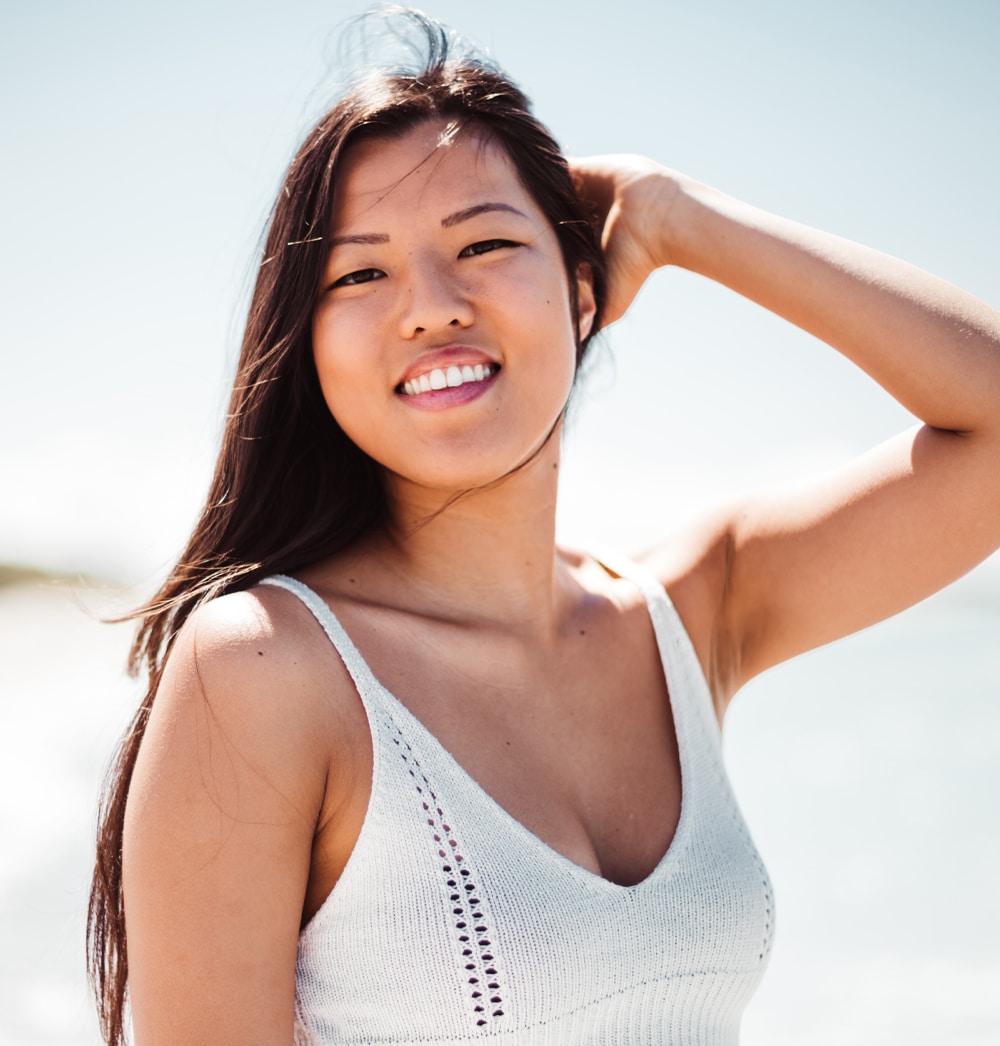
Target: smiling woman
409	771
441	262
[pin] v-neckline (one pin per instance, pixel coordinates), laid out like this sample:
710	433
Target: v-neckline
427	737
364	678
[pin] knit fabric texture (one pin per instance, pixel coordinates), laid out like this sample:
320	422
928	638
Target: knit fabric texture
452	923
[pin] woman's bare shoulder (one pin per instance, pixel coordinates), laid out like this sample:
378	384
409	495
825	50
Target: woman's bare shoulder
693	563
248	741
262	622
255	667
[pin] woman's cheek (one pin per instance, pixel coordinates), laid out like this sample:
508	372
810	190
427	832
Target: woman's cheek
341	329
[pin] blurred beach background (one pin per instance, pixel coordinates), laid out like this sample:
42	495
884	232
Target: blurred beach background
142	145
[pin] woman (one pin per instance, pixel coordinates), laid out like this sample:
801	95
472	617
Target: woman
407	771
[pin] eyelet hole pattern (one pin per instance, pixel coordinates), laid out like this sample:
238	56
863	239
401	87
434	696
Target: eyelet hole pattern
479	966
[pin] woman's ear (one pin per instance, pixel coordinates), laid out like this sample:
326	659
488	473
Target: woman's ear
586	306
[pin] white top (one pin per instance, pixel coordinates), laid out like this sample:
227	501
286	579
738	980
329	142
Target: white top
452	923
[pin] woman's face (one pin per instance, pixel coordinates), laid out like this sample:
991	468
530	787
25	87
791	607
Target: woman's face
443	334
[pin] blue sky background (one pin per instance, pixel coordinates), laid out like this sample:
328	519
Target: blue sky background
143	144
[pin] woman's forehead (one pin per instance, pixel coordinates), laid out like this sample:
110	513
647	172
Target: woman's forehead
436	160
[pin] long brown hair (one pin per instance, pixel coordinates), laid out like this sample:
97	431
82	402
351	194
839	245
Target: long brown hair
289	487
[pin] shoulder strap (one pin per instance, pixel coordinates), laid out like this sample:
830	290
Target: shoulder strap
356	665
680	660
666	620
624	567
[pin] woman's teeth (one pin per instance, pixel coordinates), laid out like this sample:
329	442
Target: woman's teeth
448	378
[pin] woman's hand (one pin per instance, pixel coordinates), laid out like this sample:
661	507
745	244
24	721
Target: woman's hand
633	199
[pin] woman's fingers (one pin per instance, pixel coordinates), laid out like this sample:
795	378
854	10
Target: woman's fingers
630	198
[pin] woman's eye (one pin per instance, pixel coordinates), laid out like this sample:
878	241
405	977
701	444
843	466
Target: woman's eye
485	246
352	279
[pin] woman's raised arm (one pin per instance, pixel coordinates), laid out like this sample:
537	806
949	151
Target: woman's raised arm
841	552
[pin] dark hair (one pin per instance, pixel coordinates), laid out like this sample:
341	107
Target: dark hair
289	487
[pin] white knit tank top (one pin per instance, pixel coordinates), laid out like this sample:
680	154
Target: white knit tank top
452	923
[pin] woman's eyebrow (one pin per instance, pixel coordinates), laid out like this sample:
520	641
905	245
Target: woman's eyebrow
480	208
368	238
362	238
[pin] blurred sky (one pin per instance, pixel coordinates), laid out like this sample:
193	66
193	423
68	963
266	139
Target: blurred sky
143	143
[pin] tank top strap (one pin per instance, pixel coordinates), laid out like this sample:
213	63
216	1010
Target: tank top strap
691	693
367	685
653	592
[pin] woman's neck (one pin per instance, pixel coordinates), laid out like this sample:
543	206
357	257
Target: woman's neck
485	556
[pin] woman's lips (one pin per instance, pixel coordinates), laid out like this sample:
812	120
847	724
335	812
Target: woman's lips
443	387
449	377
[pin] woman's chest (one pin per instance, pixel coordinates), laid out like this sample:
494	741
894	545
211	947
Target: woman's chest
578	746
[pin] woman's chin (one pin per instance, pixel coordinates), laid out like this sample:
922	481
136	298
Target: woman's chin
510	476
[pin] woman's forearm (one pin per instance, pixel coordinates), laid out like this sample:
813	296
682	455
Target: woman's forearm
935	348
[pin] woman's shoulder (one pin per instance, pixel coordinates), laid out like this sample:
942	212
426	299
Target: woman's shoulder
242	760
693	563
257	665
254	637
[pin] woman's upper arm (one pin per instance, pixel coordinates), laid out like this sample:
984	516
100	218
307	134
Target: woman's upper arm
221	813
820	561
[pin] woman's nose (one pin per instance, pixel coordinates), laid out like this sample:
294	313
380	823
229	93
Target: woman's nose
434	300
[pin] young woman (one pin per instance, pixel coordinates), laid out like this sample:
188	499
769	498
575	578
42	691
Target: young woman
407	771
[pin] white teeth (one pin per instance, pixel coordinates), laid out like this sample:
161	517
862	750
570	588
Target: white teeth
449	378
